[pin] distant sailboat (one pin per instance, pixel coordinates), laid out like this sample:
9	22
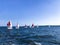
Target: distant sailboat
29	26
9	25
32	26
17	26
37	26
25	26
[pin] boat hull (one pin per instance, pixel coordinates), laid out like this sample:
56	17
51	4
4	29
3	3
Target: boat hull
9	27
17	27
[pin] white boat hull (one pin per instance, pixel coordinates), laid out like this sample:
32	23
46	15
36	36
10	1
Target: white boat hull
9	27
17	27
32	26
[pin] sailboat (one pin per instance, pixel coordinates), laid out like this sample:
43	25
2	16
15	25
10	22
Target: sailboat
17	26
9	25
32	26
25	26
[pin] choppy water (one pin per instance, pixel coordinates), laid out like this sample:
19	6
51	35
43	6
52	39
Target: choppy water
43	35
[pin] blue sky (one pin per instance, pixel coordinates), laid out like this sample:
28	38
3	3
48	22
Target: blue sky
41	12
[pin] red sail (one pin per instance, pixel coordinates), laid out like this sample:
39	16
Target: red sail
8	24
32	24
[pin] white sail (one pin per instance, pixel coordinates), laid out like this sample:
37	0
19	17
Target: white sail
17	26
